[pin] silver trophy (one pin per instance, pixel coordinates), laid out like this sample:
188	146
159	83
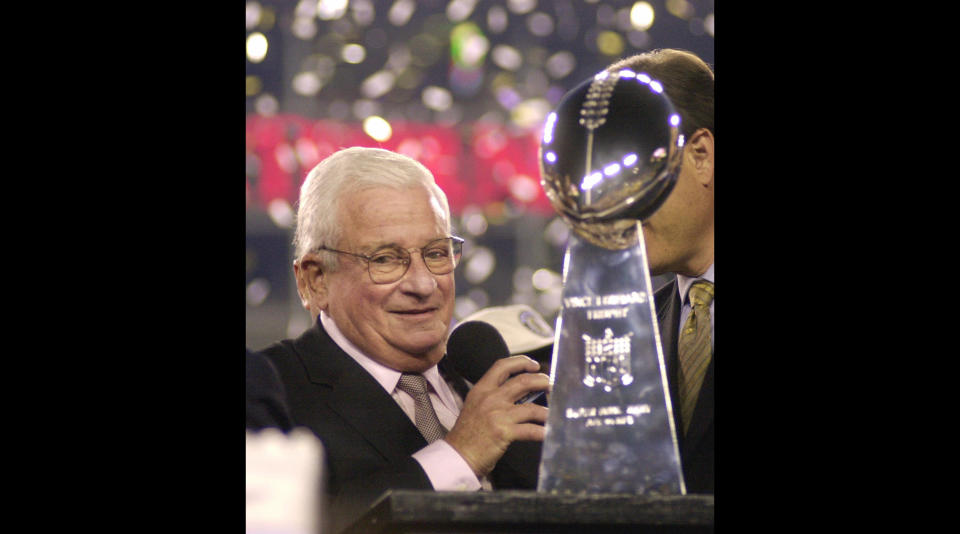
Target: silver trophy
609	157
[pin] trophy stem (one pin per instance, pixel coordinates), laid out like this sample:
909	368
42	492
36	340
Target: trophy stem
610	427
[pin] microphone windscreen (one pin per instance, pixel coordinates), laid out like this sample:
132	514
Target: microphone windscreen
473	347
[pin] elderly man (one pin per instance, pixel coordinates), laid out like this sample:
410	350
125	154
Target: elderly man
374	267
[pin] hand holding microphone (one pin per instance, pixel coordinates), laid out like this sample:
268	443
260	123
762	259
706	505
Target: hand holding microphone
473	348
497	410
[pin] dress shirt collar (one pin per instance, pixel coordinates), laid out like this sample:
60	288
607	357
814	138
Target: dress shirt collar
385	376
684	282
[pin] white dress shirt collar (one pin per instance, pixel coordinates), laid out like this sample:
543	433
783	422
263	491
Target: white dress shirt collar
385	376
684	282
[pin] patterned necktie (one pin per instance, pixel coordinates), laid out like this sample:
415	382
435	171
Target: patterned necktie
695	349
415	385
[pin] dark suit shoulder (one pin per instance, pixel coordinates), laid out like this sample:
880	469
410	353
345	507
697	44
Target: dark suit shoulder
266	399
307	358
283	349
261	374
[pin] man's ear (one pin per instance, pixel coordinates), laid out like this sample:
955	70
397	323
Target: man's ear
311	283
699	149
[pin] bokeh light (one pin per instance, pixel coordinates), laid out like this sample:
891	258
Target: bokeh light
328	9
464	86
256	47
377	128
353	53
641	16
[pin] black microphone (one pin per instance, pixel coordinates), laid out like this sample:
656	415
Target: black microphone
473	348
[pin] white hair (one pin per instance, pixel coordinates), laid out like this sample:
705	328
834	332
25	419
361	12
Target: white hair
347	171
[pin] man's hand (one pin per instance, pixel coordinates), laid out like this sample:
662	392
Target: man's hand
490	420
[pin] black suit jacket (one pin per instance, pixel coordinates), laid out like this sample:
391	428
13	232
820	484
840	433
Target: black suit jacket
266	402
368	440
697	447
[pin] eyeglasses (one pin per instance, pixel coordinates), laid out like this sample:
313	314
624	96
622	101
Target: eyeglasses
388	264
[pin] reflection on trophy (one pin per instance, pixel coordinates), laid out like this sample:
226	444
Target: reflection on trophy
609	157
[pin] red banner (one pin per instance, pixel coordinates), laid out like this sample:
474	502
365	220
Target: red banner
479	164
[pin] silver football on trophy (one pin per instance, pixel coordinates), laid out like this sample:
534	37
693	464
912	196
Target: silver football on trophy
610	155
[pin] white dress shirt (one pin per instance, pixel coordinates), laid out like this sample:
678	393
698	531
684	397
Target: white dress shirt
445	468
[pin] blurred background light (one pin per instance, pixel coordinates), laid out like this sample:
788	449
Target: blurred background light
377	128
437	98
497	19
506	57
253	12
680	8
353	53
266	105
545	279
257	291
468	45
473	221
256	47
363	12
641	16
530	113
401	11
524	188
328	9
521	7
610	43
463	86
458	10
281	213
307	9
304	28
557	232
378	84
254	85
480	265
561	64
306	83
540	24
464	306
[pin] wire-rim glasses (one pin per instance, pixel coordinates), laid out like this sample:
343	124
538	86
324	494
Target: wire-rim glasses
388	264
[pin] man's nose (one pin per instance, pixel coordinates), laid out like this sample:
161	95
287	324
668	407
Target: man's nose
418	279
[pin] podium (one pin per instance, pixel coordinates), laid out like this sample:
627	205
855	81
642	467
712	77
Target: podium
514	511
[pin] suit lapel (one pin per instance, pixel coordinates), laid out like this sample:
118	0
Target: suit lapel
667	302
668	305
356	397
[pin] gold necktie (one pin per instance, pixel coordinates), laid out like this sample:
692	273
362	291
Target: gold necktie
695	349
425	417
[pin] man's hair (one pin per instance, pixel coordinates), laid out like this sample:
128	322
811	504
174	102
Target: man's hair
687	80
345	172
